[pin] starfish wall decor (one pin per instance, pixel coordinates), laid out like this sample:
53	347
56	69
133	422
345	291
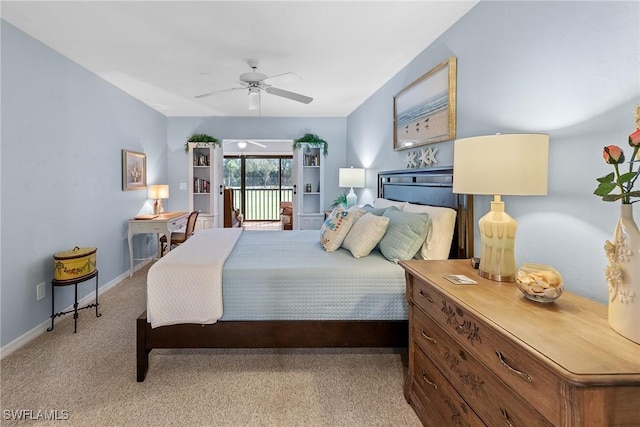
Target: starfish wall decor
425	157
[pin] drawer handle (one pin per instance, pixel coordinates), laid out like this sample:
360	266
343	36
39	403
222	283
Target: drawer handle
422	332
426	380
524	375
425	296
505	415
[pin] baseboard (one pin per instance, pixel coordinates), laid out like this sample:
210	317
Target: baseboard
29	336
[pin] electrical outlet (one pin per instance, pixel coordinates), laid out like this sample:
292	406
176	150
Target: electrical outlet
183	185
40	291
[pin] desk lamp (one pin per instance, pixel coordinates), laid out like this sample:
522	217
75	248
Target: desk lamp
498	165
352	178
158	192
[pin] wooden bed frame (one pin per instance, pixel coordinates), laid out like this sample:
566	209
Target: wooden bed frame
429	186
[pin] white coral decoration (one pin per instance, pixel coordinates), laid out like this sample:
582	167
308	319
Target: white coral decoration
428	156
411	159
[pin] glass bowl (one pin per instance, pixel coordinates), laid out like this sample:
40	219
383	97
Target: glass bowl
539	282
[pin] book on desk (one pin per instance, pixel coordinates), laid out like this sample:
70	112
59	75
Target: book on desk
146	216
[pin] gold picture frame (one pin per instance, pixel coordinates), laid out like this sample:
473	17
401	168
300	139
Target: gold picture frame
425	111
134	170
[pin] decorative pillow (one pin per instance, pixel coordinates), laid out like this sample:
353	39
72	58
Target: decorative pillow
365	234
443	222
337	225
405	234
385	203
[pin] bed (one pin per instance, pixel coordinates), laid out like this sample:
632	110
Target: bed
322	303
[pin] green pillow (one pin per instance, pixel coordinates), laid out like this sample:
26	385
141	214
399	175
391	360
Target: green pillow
377	211
405	234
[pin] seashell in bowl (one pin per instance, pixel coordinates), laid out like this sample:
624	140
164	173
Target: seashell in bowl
539	282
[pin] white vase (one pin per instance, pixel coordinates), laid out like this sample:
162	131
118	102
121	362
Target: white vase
623	276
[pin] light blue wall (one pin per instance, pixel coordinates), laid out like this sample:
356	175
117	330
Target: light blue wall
332	130
63	129
569	69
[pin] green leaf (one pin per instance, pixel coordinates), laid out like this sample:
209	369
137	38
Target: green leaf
606	178
626	177
612	197
604	188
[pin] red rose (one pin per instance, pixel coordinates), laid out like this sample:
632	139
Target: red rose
613	154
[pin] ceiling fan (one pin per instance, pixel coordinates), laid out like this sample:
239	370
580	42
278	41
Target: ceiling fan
253	81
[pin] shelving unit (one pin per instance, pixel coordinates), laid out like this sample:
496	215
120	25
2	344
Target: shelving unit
309	181
203	182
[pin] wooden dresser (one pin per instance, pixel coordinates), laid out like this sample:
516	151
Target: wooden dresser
484	355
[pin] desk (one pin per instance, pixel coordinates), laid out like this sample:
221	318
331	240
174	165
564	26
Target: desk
165	223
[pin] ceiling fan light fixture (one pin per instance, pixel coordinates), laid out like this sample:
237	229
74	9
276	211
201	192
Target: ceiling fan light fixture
254	98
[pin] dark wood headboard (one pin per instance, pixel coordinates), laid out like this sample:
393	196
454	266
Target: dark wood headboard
432	186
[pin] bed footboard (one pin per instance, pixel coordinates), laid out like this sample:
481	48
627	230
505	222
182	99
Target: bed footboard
267	334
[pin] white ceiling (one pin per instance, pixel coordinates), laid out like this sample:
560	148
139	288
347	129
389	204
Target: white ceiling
166	52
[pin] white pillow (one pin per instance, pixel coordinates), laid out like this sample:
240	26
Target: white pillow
381	203
365	234
443	222
337	225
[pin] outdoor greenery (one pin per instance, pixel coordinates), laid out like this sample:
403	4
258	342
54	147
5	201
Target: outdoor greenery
313	140
201	138
259	172
263	192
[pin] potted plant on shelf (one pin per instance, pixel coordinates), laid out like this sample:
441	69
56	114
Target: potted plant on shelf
201	138
313	140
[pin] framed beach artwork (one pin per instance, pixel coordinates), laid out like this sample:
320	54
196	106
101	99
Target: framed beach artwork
134	170
425	111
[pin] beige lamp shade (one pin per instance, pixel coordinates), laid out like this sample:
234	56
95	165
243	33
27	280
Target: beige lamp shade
515	164
160	191
510	164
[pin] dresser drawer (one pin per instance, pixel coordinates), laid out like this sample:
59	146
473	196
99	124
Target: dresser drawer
439	396
537	386
471	378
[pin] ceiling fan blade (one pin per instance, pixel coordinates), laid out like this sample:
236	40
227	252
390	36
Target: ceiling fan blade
286	94
256	143
204	95
283	74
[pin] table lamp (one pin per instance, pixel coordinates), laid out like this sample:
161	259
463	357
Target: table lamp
352	178
515	164
158	192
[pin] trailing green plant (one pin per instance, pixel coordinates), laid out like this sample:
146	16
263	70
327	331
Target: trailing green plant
201	138
313	140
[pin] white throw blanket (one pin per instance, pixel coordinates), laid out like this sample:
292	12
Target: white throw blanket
185	286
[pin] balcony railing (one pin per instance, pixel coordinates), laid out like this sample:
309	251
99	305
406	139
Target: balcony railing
262	204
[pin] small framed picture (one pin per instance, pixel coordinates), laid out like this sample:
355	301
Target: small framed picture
134	170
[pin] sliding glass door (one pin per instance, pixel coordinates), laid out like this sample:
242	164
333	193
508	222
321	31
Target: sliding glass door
260	183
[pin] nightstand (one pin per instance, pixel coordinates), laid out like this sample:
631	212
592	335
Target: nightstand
484	355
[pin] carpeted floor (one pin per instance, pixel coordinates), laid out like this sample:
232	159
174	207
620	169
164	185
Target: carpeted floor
88	379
